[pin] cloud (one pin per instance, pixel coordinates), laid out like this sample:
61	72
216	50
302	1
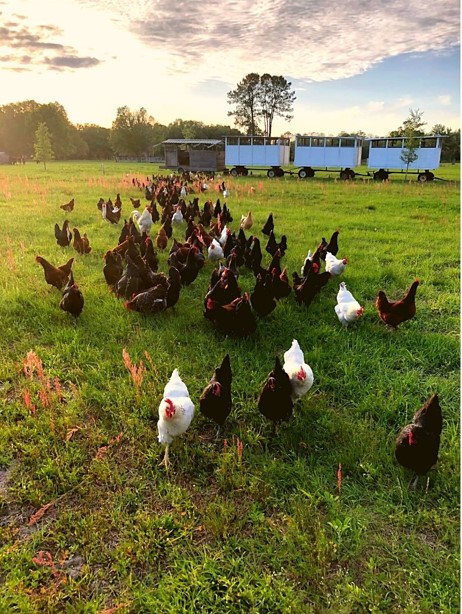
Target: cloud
375	105
300	39
445	101
71	61
27	44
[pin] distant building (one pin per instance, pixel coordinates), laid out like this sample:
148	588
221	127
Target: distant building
4	158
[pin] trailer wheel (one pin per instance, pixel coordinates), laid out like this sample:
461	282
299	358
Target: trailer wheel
381	175
245	172
271	173
424	177
347	174
180	170
233	172
306	172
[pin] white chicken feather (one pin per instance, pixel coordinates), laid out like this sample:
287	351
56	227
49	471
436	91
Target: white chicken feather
223	236
177	217
300	373
334	265
347	309
143	220
176	411
215	251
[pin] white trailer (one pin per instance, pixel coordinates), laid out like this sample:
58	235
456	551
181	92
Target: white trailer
342	152
386	154
258	152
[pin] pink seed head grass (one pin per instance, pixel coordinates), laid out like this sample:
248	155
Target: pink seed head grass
32	364
136	372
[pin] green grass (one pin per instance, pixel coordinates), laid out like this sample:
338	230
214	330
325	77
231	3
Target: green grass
267	532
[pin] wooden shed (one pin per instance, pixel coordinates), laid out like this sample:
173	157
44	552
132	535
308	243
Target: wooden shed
194	154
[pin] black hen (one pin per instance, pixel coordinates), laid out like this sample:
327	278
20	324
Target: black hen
113	269
72	300
262	298
215	400
275	401
332	246
307	288
269	225
153	300
418	443
63	236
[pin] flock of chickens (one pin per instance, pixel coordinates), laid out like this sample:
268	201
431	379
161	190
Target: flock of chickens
131	271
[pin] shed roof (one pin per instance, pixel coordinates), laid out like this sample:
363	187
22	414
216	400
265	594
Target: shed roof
192	142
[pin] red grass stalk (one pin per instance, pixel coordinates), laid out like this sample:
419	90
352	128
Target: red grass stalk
239	447
103	450
11	264
71	432
44	559
38	514
44	397
135	372
31	364
339	479
28	402
58	389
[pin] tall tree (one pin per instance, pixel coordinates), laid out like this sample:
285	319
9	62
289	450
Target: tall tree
247	101
62	133
42	145
97	140
275	100
450	151
17	128
412	130
132	132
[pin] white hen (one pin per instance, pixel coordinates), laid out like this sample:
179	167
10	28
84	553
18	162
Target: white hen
177	217
335	266
215	251
347	309
176	411
224	236
143	220
300	374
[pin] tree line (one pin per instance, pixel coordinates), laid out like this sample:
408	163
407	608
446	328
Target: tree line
256	101
133	132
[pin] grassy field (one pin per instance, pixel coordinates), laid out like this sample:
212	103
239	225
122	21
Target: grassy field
255	523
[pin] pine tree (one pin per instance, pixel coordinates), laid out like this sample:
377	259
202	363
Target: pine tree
42	145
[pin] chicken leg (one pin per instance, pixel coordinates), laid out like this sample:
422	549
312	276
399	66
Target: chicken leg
165	461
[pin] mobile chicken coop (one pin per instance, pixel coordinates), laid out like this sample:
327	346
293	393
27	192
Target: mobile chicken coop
194	155
322	153
386	155
258	152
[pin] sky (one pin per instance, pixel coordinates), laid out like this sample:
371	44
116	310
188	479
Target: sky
356	66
